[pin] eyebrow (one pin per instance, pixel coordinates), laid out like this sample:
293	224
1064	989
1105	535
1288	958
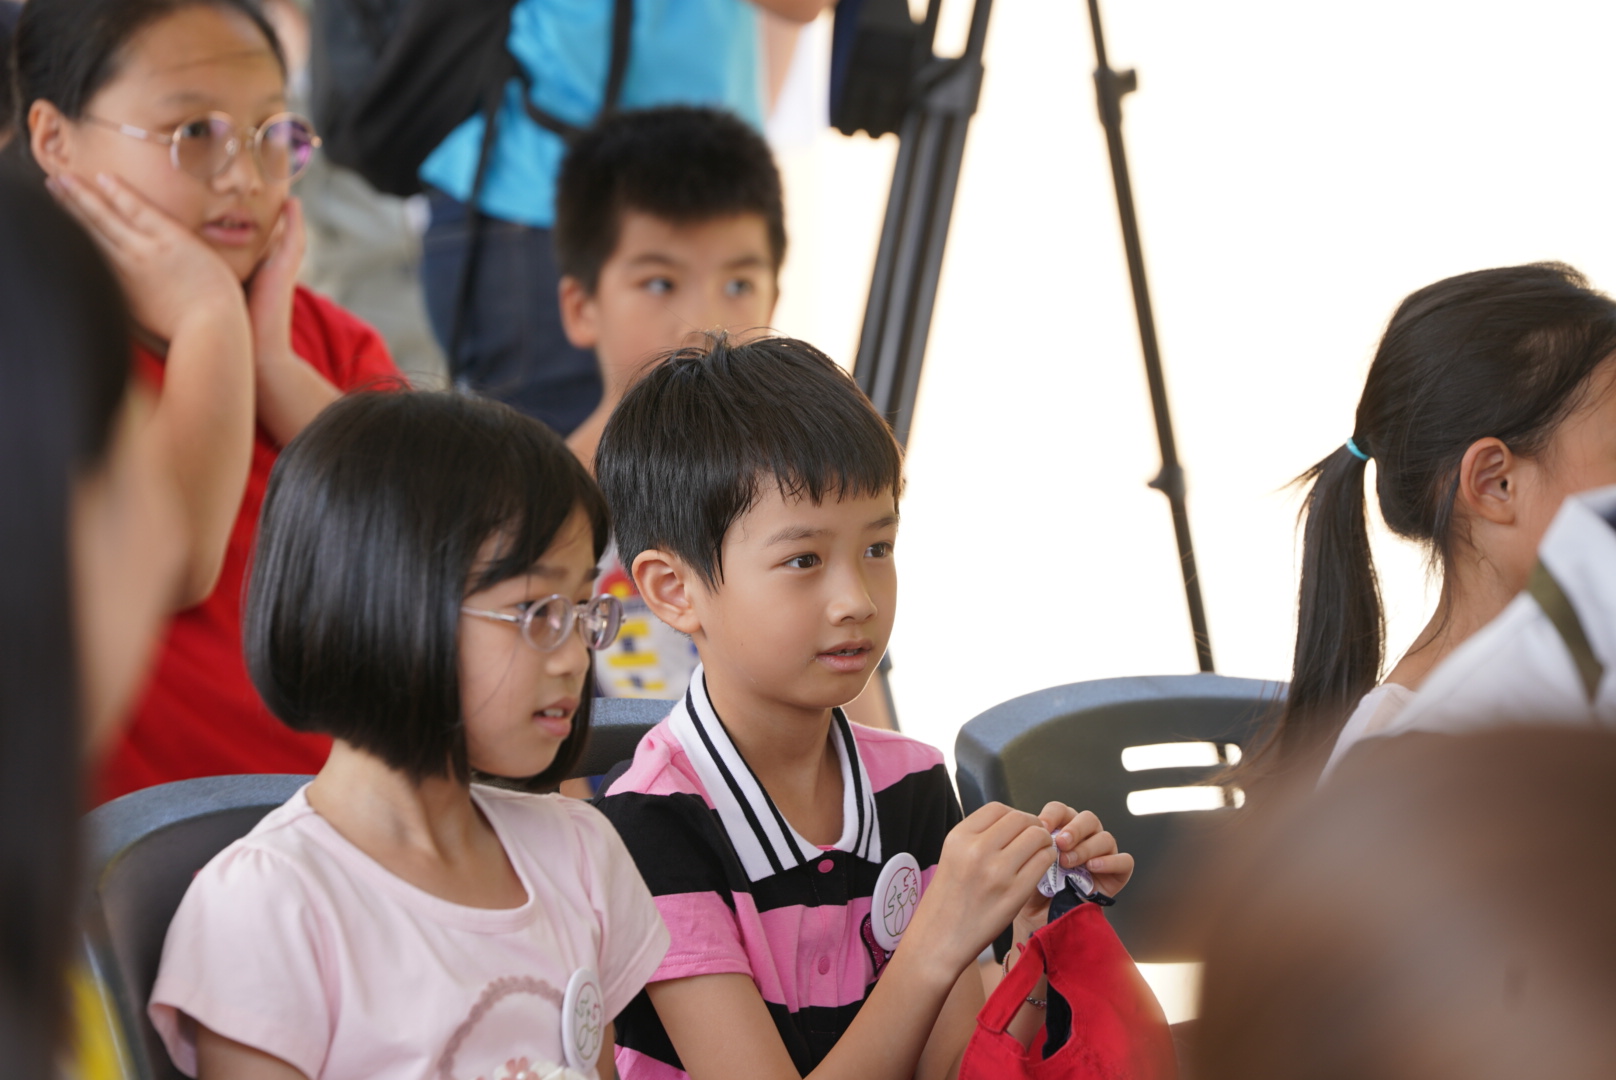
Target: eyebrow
196	97
559	573
655	258
793	533
746	262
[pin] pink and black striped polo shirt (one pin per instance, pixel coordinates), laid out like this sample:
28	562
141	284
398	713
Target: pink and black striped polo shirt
741	891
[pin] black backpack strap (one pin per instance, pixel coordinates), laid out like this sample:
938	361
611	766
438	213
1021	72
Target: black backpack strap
622	27
493	99
616	71
1557	606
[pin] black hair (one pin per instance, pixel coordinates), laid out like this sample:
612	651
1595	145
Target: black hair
369	536
10	11
1505	353
687	450
681	164
64	370
65	51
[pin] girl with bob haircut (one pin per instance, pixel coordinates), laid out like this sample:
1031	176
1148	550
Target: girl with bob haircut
164	126
421	593
1491	398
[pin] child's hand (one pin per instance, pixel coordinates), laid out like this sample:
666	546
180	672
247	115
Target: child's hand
1082	842
990	862
168	273
269	295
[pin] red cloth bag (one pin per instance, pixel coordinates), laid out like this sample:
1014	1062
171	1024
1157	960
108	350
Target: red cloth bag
1118	1029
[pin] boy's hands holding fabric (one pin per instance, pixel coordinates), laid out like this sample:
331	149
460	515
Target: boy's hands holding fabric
1082	841
990	862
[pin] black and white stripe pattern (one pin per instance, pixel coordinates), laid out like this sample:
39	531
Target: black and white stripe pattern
763	839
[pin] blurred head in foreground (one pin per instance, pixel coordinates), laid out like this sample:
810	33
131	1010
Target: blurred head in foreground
1443	908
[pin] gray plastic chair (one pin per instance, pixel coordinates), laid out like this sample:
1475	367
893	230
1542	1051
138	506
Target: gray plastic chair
147	846
1129	749
144	850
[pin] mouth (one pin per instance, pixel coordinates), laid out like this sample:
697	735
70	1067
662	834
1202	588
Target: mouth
556	717
847	657
235	229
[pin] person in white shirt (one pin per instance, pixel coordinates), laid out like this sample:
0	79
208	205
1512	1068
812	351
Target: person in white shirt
1545	659
1492	397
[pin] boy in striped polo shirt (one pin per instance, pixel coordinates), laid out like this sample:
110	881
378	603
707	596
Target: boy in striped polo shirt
825	900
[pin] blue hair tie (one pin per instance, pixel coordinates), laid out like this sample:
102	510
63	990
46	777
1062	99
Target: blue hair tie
1352	448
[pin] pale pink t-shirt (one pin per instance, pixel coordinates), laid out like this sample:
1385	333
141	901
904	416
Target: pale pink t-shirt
295	942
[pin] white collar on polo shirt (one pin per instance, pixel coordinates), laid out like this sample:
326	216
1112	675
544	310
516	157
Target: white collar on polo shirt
760	834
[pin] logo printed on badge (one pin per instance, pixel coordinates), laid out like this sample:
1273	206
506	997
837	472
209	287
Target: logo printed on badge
897	895
583	1020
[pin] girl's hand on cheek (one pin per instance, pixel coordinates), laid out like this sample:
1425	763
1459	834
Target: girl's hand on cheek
168	273
269	296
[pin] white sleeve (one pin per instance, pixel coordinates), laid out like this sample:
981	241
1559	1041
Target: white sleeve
633	937
242	957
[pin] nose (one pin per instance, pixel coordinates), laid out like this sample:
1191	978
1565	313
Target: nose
850	602
570	659
243	173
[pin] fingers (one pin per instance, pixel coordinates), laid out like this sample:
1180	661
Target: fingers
1111	872
139	213
92	210
1100	844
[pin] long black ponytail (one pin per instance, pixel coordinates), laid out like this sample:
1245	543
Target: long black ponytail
1505	353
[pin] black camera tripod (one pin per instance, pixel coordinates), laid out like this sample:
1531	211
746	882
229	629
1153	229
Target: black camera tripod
885	77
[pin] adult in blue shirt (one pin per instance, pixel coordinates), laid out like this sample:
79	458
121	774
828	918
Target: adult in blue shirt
695	52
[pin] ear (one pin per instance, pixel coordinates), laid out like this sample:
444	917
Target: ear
50	137
580	316
1490	481
667	585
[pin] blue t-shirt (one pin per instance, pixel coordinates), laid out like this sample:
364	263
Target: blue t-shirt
684	52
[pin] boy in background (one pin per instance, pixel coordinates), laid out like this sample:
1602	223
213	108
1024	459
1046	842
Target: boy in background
670	225
825	901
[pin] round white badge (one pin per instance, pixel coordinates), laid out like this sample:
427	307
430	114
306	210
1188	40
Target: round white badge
897	895
583	1020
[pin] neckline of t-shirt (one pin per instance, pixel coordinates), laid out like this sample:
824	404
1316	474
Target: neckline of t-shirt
446	912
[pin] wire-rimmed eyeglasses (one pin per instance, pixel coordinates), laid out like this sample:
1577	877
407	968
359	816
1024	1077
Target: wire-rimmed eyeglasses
204	146
546	624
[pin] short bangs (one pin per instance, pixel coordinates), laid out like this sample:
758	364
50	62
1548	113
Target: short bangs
686	451
367	543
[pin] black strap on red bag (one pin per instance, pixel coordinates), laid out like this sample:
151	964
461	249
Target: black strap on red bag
1116	1029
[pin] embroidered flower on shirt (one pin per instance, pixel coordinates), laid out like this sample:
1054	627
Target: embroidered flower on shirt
522	1069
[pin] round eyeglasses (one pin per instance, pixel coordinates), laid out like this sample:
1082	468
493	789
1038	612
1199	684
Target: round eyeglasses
204	146
546	624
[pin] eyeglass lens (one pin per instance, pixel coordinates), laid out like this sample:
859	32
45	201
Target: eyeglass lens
549	623
204	147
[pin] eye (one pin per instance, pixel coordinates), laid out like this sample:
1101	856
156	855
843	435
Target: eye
803	562
658	286
881	549
738	288
200	128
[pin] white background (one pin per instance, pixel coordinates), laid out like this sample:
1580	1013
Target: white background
1298	168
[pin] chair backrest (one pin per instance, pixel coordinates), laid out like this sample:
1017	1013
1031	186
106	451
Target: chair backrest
615	727
144	850
1140	753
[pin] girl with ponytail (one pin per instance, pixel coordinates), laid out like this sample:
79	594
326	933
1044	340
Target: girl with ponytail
1492	396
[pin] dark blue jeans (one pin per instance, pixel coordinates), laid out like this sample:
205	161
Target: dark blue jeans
512	347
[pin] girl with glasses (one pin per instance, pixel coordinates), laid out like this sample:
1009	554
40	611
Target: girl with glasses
422	593
162	124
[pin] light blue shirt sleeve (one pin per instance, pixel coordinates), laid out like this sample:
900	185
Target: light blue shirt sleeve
681	52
